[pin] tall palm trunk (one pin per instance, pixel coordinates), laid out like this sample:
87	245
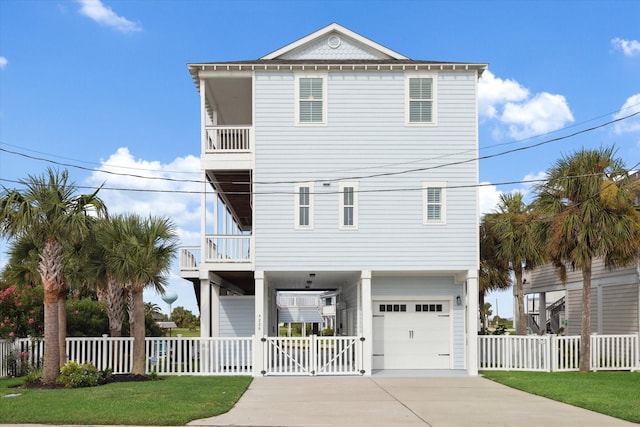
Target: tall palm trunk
483	315
138	367
585	328
114	295
62	326
522	321
50	268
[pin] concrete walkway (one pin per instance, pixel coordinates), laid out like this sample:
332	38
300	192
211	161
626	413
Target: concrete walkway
386	401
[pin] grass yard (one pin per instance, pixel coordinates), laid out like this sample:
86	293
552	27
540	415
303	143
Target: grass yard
612	393
169	401
185	332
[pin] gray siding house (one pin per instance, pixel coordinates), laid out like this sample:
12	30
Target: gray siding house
615	299
336	164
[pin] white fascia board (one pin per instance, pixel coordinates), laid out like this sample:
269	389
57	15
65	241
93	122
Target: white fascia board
339	29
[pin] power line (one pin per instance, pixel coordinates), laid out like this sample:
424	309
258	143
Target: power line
361	177
329	171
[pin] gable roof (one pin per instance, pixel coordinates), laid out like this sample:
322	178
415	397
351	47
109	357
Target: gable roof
338	30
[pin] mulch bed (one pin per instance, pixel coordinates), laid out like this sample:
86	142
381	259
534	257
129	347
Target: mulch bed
118	378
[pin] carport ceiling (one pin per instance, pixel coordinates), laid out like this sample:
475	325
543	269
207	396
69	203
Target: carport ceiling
320	280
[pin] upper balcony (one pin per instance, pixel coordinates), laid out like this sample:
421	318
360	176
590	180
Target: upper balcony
227	147
227	114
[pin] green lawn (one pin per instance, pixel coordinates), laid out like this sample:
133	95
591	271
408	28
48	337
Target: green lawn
612	393
185	332
169	401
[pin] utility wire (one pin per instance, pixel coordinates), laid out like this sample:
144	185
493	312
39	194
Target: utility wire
361	177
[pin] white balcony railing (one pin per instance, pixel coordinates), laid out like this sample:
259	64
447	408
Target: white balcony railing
298	300
189	257
218	249
228	248
231	139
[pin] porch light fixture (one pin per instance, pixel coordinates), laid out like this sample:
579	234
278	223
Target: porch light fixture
458	300
312	275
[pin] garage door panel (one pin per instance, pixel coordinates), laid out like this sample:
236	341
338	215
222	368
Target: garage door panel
412	339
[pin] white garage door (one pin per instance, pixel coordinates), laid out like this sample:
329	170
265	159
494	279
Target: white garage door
412	335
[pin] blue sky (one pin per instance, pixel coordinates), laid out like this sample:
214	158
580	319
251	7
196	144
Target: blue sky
103	85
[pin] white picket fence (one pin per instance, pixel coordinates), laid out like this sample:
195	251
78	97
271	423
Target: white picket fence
550	353
315	355
201	356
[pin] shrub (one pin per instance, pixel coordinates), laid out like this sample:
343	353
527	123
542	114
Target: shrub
75	375
328	332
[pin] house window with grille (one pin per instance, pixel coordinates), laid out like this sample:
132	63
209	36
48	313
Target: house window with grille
304	206
421	100
348	205
311	100
434	203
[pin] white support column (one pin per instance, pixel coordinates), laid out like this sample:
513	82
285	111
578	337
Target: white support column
205	309
260	322
542	309
367	321
215	310
472	322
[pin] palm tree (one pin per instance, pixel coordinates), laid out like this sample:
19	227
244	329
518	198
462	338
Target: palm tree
494	270
138	252
589	198
49	207
514	224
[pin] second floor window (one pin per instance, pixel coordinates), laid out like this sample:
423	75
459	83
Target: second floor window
434	203
421	106
304	206
348	205
311	100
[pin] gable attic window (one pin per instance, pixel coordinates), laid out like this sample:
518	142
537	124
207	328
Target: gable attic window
304	206
311	105
420	98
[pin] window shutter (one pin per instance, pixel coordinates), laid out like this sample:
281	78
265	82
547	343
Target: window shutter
311	100
421	100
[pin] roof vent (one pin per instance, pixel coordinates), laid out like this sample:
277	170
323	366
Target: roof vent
334	42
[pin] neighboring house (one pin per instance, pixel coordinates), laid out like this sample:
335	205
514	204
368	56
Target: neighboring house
337	164
615	299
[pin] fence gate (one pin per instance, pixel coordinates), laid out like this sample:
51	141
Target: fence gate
312	355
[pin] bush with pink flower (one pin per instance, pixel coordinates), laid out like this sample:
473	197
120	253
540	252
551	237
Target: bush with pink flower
21	312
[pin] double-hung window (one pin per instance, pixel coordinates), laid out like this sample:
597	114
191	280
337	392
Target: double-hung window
434	202
311	99
348	205
420	99
304	206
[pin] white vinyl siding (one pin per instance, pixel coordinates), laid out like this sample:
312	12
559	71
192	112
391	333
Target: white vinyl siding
236	316
434	202
304	206
363	138
420	100
311	103
348	205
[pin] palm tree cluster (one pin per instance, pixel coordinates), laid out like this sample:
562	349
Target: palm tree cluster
585	209
61	239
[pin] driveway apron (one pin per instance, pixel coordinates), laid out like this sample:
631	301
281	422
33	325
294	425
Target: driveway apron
387	401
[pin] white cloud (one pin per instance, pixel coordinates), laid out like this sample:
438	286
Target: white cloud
153	196
103	15
493	91
3	62
632	124
543	113
516	112
489	197
628	47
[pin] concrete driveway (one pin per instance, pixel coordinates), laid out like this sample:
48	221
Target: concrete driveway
385	401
